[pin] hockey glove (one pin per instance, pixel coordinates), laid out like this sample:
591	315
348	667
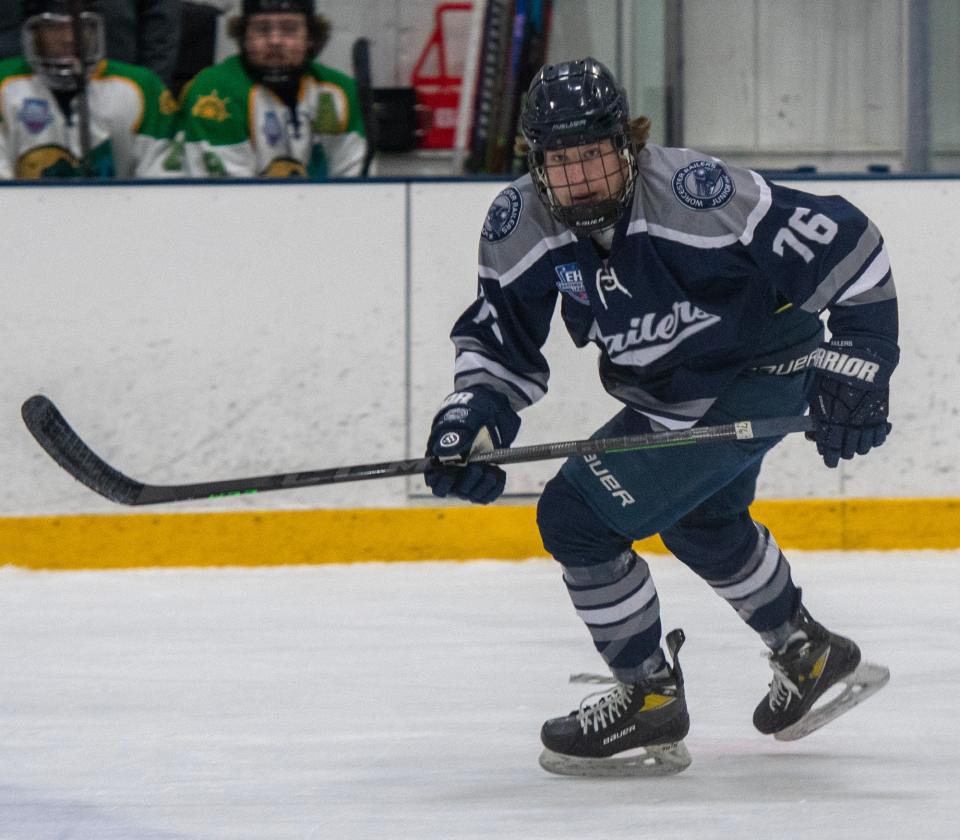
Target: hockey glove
470	421
850	396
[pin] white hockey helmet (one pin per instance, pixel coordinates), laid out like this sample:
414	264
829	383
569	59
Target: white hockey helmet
62	66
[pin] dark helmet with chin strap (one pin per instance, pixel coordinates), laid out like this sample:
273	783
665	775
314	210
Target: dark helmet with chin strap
61	72
318	29
578	103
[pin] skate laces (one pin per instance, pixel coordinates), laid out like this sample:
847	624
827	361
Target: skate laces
781	687
608	708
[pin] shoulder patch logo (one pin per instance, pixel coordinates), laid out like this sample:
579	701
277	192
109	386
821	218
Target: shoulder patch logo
703	185
503	216
211	107
35	115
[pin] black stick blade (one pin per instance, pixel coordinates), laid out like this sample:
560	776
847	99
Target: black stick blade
64	445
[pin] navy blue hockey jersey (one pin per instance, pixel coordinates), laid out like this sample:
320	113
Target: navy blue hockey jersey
712	271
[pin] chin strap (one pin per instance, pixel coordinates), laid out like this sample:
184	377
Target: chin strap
275	77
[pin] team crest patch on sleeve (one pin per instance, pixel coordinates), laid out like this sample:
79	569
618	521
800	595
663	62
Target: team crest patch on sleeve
503	215
703	185
35	115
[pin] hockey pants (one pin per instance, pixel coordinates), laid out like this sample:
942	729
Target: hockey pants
696	497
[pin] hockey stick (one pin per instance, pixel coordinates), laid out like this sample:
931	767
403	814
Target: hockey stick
64	445
360	59
82	97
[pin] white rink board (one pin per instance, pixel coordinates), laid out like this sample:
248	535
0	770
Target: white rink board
198	331
192	333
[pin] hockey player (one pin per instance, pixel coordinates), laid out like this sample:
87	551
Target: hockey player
129	118
272	111
701	284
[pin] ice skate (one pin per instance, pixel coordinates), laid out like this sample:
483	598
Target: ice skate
812	664
632	730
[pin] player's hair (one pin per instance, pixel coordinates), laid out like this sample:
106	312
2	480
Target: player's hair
638	128
318	31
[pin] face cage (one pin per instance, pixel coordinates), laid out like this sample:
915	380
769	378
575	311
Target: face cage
61	73
279	76
587	218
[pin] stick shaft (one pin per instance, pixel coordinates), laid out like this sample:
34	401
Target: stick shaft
68	449
82	99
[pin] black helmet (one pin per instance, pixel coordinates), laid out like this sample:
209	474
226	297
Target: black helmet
256	7
318	29
61	72
54	7
578	103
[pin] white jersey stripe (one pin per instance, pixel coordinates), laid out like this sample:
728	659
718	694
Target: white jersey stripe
528	259
692	239
874	274
468	361
672	423
758	212
845	270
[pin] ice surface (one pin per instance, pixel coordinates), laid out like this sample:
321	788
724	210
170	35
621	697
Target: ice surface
405	701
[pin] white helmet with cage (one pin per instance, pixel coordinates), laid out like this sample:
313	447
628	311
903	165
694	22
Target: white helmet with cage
50	42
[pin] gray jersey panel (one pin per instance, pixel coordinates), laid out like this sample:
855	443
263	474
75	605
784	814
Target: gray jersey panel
694	198
518	230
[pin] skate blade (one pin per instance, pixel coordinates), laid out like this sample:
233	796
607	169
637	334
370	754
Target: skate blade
858	685
654	760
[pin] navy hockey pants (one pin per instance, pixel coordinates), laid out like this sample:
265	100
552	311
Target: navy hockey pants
696	497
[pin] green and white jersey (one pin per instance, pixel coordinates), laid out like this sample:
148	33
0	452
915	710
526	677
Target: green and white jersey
235	127
132	124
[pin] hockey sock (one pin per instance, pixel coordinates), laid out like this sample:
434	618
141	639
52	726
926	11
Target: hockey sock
762	592
780	638
618	602
743	564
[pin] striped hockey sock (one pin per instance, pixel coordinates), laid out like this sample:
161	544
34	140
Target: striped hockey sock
762	592
619	604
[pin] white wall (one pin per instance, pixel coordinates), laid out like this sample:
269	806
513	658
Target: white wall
811	76
772	83
192	332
